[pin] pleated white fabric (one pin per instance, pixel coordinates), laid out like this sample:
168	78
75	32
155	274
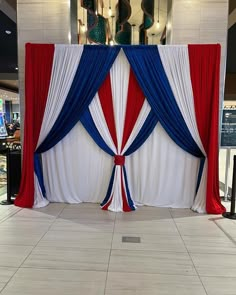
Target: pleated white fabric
65	63
175	61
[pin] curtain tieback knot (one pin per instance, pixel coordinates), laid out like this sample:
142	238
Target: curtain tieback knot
119	160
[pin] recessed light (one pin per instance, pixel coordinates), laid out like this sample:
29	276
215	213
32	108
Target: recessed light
8	32
16	68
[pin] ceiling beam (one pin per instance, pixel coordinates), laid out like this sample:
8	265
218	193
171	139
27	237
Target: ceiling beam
8	76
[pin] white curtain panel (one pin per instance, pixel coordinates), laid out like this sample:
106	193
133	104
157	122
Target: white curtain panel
65	63
175	61
159	173
76	170
162	174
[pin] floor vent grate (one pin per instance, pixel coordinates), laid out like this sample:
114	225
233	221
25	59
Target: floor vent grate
131	240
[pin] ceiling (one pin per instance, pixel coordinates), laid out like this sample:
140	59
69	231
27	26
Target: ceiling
12	85
8	48
232	5
231	50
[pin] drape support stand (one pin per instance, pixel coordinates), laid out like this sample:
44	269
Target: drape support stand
232	214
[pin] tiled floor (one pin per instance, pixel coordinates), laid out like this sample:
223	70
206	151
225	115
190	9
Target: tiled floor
77	249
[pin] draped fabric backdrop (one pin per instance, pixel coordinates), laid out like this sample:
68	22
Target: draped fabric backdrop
123	126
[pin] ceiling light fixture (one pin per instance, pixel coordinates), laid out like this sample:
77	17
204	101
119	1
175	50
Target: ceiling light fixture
110	11
158	20
112	41
133	26
96	12
152	37
83	28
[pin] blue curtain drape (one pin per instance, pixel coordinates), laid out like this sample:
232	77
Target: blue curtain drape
146	63
39	173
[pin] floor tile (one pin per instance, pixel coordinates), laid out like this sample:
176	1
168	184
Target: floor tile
131	292
36	214
215	264
38	274
13	255
77	239
2	285
219	285
8	211
83	206
204	244
18	230
20	237
87	214
151	262
145	213
228	226
196	218
150	242
18	224
182	213
68	258
30	220
141	283
81	225
163	227
26	287
52	209
6	273
199	229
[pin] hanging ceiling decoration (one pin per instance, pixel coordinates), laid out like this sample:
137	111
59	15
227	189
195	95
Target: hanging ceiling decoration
121	21
123	27
96	23
148	20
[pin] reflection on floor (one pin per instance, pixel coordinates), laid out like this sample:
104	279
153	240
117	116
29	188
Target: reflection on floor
67	249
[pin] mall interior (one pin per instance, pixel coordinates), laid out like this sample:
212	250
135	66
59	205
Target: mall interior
68	247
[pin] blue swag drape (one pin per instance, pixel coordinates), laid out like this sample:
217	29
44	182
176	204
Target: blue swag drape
94	65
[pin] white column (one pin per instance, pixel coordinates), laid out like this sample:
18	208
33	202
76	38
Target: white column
199	22
40	21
